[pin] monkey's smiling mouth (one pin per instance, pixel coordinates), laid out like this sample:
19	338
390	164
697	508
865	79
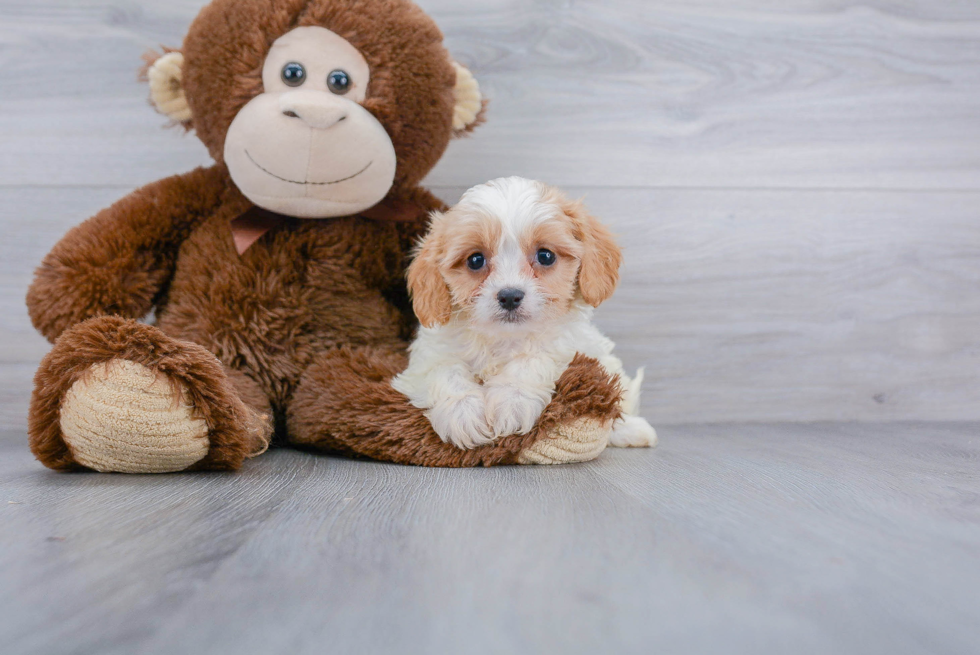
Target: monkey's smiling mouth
268	172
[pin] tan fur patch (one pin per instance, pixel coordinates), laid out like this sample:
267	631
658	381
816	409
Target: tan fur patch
438	278
559	282
469	235
463	234
601	256
430	295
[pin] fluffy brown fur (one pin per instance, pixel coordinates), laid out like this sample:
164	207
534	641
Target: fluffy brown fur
312	319
120	260
345	403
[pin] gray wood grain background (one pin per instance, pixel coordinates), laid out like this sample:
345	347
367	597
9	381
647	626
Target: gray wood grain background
797	183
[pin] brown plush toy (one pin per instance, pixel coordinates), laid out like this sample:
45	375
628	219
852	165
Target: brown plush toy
276	275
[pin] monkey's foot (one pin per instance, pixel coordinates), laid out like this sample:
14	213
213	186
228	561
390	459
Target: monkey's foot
117	395
121	416
580	441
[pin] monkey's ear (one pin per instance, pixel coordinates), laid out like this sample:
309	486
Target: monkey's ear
470	104
165	75
431	299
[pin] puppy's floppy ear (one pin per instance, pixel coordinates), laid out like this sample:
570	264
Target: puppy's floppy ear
471	107
601	256
431	300
165	75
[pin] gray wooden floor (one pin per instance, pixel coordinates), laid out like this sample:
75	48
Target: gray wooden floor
797	186
732	539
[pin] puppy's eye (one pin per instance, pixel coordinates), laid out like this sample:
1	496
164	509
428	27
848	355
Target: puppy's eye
476	261
339	82
293	74
546	257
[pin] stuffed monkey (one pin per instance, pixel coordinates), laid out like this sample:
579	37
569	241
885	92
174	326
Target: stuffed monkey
276	276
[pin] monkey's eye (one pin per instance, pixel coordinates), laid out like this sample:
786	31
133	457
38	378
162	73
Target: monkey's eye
476	261
546	257
339	82
293	74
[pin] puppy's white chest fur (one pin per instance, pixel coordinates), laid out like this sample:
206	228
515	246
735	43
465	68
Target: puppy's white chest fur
549	349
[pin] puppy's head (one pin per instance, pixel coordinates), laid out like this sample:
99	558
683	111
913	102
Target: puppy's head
513	254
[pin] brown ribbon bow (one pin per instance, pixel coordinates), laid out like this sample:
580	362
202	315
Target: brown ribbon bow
253	224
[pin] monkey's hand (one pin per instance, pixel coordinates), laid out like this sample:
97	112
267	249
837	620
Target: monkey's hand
118	261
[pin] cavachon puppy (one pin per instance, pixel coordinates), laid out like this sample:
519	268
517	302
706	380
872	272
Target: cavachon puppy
504	285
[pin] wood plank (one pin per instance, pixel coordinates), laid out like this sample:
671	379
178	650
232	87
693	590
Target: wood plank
743	539
107	559
798	306
743	305
802	94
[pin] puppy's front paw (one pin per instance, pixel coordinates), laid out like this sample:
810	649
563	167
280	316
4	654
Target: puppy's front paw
632	432
512	410
461	421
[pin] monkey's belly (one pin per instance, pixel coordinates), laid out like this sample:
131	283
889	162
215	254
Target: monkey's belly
270	312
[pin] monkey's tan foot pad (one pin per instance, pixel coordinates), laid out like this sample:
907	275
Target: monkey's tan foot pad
581	441
123	417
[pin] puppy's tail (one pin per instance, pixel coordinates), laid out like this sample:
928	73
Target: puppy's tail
631	393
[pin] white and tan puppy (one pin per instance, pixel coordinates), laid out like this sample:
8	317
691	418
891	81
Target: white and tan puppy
504	285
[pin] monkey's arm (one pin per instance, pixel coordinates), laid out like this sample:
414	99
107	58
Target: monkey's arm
120	260
386	250
345	403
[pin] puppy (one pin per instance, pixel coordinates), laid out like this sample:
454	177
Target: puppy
504	285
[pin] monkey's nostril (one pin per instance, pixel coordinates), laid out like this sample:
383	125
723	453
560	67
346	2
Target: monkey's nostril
291	114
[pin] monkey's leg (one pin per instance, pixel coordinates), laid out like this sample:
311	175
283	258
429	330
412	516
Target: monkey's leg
117	395
345	403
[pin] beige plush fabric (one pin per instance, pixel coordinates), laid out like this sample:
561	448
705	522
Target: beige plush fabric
166	92
469	99
122	417
576	442
330	156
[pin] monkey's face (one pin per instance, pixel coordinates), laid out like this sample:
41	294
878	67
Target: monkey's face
305	146
318	108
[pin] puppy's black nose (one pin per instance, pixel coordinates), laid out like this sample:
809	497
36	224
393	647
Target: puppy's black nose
510	299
